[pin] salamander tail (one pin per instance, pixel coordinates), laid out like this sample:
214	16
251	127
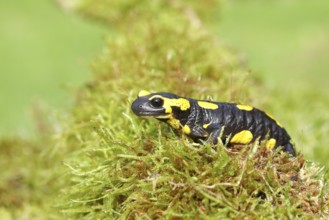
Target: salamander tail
290	149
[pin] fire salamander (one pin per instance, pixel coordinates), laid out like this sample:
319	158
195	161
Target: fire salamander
207	120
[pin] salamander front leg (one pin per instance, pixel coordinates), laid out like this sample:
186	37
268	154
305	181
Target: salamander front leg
214	135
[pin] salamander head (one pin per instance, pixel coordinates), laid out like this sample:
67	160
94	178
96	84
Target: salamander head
158	105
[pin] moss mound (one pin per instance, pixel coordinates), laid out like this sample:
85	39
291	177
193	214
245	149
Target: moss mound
140	169
118	166
154	175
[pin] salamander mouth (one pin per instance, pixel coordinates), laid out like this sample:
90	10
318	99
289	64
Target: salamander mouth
143	108
152	114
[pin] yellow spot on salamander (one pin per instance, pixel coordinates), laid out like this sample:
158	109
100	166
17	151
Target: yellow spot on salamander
186	129
168	103
243	137
168	109
207	105
270	144
184	104
206	125
278	123
163	116
143	93
244	107
175	123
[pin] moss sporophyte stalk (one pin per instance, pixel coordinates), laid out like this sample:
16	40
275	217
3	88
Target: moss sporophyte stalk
103	162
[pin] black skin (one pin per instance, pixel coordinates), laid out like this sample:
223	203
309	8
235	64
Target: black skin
226	120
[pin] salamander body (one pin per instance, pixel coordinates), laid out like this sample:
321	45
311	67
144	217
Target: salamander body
207	120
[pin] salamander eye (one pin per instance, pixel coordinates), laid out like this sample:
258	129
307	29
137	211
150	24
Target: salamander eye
157	102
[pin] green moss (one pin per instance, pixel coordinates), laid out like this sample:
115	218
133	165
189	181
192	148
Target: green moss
156	175
30	179
118	166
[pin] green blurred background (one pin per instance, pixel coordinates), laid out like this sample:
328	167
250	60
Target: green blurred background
45	53
286	44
